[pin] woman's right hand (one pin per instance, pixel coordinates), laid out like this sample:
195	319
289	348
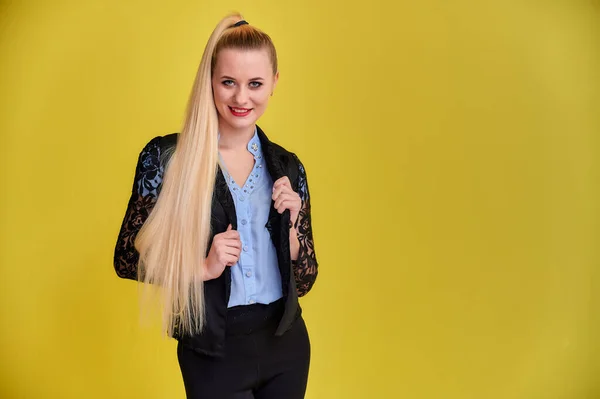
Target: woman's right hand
224	251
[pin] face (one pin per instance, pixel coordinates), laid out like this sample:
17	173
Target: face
242	82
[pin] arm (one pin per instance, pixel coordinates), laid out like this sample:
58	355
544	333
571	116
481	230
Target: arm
301	239
146	186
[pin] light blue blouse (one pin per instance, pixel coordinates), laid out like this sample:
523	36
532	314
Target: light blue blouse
255	278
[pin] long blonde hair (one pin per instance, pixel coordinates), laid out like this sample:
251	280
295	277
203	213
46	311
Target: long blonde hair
173	241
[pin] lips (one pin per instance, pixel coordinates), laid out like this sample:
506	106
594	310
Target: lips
240	112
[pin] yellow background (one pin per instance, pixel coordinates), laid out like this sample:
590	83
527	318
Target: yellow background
452	154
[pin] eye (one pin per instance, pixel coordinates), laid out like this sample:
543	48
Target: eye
228	82
255	85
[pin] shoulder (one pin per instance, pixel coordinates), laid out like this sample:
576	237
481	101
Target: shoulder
154	156
288	157
157	150
279	150
159	143
149	157
169	140
150	167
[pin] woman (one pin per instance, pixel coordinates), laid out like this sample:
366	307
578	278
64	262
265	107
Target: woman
219	218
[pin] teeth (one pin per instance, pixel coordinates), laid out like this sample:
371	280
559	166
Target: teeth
239	110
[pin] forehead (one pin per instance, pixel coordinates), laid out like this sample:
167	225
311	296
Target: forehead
243	63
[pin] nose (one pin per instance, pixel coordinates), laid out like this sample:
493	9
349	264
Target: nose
241	96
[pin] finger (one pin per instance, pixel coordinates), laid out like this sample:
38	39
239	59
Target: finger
232	244
286	196
229	227
293	205
276	192
231	251
282	187
231	234
228	255
282	182
230	260
292	201
283	206
278	203
283	194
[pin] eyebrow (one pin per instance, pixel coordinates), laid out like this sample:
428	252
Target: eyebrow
230	78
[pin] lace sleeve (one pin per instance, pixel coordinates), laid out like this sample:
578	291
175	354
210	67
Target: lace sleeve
146	187
306	266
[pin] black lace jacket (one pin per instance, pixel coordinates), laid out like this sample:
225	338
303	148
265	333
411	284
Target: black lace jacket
146	189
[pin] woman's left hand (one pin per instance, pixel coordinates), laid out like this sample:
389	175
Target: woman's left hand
286	198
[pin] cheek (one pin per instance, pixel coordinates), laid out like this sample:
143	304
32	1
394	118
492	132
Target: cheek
219	94
262	99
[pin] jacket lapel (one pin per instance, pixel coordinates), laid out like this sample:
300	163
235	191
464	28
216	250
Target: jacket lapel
276	165
224	197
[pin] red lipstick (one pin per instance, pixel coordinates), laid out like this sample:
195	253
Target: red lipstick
240	112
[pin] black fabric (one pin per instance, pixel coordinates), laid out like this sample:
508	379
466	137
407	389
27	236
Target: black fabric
297	277
256	363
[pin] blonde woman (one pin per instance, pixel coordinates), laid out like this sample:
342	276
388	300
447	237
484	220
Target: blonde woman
219	219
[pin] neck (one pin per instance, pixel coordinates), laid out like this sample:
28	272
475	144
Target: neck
234	139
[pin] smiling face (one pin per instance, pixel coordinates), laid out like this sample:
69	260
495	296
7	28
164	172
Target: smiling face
242	82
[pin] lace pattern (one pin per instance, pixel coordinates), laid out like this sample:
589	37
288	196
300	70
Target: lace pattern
306	266
145	191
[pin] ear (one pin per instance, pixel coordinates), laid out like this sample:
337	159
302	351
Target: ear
275	79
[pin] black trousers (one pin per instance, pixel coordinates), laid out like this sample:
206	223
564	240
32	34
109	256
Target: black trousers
257	364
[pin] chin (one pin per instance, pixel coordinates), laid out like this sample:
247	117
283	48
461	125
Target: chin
240	124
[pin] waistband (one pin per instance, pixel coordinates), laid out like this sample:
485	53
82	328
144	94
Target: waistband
246	319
